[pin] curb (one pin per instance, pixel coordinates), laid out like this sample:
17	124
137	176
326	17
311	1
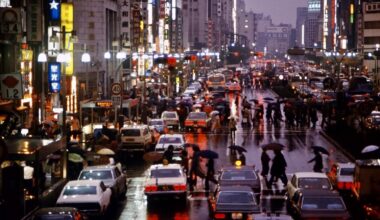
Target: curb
337	145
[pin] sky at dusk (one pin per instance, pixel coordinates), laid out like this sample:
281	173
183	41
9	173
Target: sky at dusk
281	11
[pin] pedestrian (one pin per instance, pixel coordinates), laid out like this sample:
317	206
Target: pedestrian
194	168
210	173
168	154
278	169
313	116
265	159
216	125
185	161
75	127
242	158
232	128
318	165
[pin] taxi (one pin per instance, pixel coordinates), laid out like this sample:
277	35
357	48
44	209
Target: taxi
197	120
233	86
166	180
341	176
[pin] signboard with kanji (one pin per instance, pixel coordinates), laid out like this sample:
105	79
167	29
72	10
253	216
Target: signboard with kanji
54	77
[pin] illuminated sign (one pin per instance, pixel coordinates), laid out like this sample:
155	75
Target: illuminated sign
314	5
55	10
67	20
54	77
53	47
34	24
26	55
104	104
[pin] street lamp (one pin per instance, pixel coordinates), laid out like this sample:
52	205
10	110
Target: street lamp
42	58
86	58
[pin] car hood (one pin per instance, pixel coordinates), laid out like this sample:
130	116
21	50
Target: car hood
165	181
254	184
78	199
237	207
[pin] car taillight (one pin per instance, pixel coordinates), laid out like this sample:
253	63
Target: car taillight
219	216
345	185
179	187
340	185
348	185
152	188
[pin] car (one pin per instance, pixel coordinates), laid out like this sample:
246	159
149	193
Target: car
317	204
157	124
177	140
171	119
233	202
341	176
307	180
90	196
166	180
241	176
372	122
94	130
111	177
197	120
192	90
58	213
197	85
233	86
135	138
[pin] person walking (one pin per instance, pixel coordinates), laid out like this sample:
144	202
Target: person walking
278	169
75	127
194	168
318	165
168	154
242	158
265	159
210	174
232	128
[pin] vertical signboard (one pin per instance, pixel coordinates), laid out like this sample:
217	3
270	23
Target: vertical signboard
67	20
34	21
55	10
54	77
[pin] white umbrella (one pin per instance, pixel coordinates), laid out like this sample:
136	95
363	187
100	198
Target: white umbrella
370	148
105	151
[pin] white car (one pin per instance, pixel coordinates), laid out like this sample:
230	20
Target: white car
342	176
89	196
307	180
191	90
171	119
177	140
166	180
136	138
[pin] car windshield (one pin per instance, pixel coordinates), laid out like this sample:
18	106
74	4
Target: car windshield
170	140
197	115
131	132
313	183
54	217
96	175
165	173
349	171
239	175
322	203
170	115
79	190
235	197
156	123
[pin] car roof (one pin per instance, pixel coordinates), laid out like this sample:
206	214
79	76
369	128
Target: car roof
318	192
235	188
171	135
99	167
310	175
168	166
137	126
238	168
346	165
83	182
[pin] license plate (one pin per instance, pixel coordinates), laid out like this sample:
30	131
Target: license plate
237	215
166	188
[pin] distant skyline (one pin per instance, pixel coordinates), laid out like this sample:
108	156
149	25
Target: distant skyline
281	11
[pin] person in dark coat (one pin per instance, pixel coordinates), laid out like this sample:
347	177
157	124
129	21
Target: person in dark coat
265	159
210	174
242	158
194	168
318	165
278	168
168	154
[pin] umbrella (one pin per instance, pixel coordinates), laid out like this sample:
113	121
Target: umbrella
105	151
208	154
152	157
268	99
76	158
321	149
370	149
273	146
237	148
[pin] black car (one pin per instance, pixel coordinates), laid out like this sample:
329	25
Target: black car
58	213
233	202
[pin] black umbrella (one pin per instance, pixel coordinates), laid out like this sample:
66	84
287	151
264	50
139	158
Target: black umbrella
208	154
268	99
237	148
273	146
321	149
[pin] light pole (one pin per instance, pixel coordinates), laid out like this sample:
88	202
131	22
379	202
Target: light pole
86	58
42	58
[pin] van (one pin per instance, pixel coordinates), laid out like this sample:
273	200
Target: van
136	138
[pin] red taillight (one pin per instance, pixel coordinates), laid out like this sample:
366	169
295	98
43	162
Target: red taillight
179	187
202	123
348	185
340	185
187	123
219	216
345	185
151	188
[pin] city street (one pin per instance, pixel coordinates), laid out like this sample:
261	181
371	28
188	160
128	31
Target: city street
297	153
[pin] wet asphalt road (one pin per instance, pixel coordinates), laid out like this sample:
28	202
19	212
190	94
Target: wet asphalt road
297	152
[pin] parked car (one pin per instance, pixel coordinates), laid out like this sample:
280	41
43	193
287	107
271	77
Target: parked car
341	176
89	196
58	213
166	180
317	204
136	138
307	180
233	202
171	119
197	120
111	176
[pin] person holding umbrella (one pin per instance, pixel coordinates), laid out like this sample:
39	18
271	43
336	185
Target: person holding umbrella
318	165
210	173
265	159
168	154
278	168
232	127
242	158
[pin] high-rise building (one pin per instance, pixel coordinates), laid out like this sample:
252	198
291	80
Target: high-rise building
313	24
300	26
195	23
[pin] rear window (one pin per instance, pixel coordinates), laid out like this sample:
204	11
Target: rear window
236	197
165	173
96	175
347	171
239	175
131	132
156	123
198	115
314	183
79	190
169	115
170	140
323	203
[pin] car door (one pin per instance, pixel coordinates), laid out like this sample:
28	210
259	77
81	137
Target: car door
105	195
120	180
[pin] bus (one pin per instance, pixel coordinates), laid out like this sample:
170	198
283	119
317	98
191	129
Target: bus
216	80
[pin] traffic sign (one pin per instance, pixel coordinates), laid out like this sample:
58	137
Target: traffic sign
116	100
11	86
116	89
